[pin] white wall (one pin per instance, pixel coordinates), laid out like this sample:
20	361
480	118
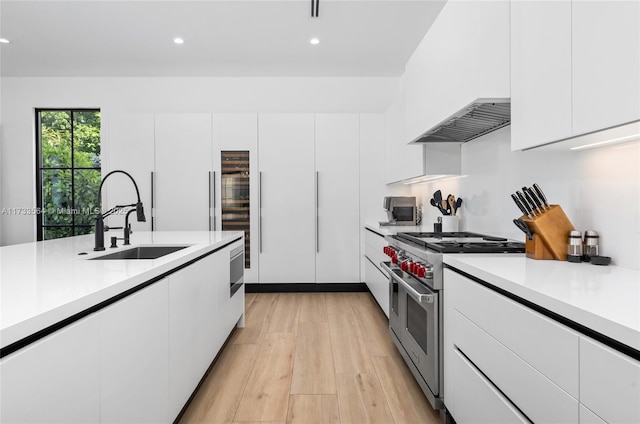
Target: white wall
21	95
599	189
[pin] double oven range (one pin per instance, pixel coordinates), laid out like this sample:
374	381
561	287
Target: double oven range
415	269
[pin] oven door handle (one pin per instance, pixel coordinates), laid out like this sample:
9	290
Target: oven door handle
419	297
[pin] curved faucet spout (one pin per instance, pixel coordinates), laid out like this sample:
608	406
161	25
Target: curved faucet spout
99	230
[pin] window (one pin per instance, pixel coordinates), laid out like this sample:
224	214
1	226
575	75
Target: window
68	171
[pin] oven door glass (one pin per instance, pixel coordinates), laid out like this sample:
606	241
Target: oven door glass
421	336
395	306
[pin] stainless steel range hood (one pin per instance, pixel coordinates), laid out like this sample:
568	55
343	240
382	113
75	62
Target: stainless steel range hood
480	117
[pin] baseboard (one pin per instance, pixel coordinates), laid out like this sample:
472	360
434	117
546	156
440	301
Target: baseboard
305	287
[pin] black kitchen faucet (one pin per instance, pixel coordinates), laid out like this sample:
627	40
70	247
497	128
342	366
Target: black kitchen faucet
100	228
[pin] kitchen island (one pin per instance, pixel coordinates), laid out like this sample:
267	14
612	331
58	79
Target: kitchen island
540	341
86	340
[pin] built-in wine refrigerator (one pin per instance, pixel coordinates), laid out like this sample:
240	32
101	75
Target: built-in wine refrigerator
235	196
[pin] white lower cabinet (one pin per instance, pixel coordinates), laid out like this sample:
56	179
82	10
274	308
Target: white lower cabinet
477	399
134	380
609	382
56	379
199	322
377	281
492	342
530	359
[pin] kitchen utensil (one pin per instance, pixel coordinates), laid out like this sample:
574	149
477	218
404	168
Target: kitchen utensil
541	195
438	205
458	203
524	227
591	239
437	196
534	197
520	205
531	202
445	206
451	199
525	204
574	248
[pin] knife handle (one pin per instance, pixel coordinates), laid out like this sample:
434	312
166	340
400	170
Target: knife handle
533	205
520	206
528	208
541	195
537	201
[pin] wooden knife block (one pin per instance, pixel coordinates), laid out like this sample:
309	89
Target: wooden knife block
550	234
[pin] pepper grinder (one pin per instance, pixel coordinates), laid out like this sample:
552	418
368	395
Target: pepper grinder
591	240
574	249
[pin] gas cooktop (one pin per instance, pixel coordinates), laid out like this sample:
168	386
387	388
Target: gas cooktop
462	242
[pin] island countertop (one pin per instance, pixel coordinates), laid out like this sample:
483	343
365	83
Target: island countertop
43	283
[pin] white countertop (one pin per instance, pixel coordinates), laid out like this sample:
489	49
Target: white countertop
605	299
45	282
385	230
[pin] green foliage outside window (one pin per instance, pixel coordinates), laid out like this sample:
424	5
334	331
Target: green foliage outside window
69	171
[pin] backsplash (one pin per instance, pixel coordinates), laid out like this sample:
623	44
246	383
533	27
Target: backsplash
599	189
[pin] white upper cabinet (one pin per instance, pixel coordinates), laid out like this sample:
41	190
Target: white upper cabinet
128	146
575	68
464	56
287	242
402	160
540	72
184	163
606	63
337	198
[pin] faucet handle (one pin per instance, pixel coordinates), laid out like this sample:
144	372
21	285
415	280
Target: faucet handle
114	242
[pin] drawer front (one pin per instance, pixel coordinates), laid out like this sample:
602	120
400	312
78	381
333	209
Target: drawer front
378	284
537	397
588	417
548	346
609	382
477	400
373	246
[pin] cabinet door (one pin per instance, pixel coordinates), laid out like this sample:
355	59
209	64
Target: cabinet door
184	161
134	384
287	242
195	328
606	63
540	72
129	146
337	198
609	382
239	131
477	400
55	379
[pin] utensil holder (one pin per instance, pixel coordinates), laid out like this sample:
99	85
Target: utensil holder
450	224
550	234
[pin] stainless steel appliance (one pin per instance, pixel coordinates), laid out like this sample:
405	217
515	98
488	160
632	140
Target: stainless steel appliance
236	267
415	297
401	210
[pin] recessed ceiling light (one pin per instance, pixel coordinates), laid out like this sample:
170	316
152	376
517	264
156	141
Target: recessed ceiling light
314	41
4	41
178	40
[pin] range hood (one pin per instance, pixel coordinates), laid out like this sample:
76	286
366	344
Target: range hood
480	117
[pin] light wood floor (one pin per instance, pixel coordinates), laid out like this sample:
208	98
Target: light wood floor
310	358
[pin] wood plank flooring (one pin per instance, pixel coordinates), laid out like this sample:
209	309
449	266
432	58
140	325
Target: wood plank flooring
310	358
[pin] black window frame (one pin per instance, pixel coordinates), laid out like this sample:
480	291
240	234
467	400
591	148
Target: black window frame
39	174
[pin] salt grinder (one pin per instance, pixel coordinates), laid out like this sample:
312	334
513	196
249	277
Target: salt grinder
591	240
574	249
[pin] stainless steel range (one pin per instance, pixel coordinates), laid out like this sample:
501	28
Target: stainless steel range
415	297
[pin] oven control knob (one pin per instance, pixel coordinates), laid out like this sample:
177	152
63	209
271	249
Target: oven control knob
414	267
422	271
404	265
394	258
385	250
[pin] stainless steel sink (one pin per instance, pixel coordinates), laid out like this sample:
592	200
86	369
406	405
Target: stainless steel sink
141	252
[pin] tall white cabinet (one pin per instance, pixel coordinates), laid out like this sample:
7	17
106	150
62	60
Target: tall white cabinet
287	198
129	147
238	131
183	172
337	154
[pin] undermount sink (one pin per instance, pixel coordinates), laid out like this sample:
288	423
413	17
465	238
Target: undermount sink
142	252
